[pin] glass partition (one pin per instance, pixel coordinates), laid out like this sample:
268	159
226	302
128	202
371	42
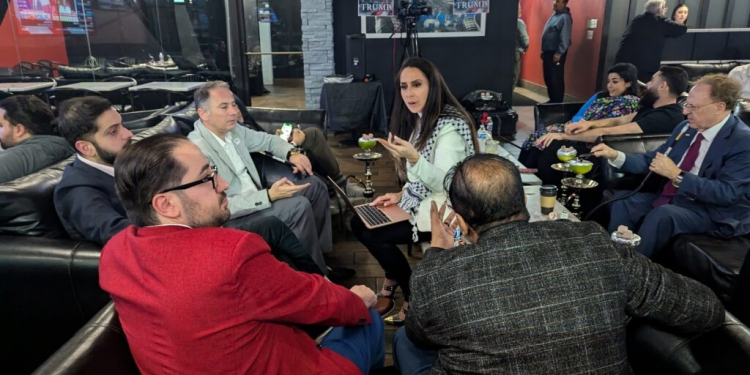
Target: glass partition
95	40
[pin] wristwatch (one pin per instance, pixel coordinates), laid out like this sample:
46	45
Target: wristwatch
294	151
678	180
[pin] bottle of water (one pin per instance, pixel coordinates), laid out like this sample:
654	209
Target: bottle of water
161	58
483	137
489	125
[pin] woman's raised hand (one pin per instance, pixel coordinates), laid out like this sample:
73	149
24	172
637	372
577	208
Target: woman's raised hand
400	148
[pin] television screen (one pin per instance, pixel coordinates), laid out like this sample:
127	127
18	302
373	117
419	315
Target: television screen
75	16
54	17
36	16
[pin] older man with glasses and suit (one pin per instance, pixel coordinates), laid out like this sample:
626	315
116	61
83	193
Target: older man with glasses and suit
704	167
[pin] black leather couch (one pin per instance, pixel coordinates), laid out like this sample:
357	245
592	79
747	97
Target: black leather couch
698	70
653	350
100	347
271	119
49	283
139	120
546	114
631	144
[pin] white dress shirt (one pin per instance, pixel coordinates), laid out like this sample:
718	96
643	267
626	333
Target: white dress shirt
742	75
708	138
246	183
104	168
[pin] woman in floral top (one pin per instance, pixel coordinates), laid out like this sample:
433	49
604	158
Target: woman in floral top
620	99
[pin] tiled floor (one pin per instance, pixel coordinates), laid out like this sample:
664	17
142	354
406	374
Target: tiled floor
284	93
350	253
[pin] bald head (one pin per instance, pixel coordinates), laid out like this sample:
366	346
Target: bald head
485	190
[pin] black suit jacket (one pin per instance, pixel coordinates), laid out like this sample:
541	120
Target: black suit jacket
545	298
643	42
87	204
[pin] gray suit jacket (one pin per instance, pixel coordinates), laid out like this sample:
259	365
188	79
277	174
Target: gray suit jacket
545	298
245	142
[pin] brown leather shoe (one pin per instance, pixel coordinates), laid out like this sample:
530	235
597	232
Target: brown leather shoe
384	306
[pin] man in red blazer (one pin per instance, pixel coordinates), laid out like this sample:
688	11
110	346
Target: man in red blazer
194	298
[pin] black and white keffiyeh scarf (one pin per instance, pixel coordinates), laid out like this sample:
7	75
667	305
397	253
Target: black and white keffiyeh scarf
416	192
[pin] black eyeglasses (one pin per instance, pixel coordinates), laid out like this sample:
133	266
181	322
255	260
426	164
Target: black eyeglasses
211	177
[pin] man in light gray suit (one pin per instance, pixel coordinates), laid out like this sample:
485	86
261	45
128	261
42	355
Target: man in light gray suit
304	206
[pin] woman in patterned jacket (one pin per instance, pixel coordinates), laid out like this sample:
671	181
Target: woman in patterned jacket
620	99
430	133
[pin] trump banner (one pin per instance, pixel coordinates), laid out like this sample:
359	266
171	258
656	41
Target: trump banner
380	8
471	6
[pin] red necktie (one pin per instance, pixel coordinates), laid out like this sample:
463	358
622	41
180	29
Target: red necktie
687	164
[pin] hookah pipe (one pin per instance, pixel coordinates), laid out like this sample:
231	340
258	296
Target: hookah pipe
643	183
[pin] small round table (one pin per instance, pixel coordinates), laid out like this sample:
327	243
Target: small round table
368	158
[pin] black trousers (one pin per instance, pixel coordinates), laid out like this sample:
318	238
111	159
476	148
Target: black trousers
554	76
381	243
285	246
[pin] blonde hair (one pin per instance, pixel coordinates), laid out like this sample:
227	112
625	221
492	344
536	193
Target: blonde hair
723	89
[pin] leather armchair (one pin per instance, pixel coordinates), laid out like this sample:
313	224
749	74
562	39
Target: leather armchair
138	120
99	347
631	144
714	262
719	263
271	119
722	351
546	114
743	112
49	284
81	72
28	206
697	70
48	289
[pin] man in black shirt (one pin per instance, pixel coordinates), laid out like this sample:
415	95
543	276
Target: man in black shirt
659	113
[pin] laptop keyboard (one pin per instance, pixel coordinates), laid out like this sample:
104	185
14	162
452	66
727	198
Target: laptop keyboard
372	215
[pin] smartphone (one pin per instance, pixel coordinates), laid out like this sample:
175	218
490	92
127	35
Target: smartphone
286	132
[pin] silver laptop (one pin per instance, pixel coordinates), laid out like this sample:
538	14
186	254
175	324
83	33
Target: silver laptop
373	217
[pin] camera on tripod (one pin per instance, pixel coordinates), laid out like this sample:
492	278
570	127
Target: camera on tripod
414	9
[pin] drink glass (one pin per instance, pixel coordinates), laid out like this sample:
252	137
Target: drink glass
492	146
547	198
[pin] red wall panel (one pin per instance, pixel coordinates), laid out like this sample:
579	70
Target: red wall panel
31	48
583	55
